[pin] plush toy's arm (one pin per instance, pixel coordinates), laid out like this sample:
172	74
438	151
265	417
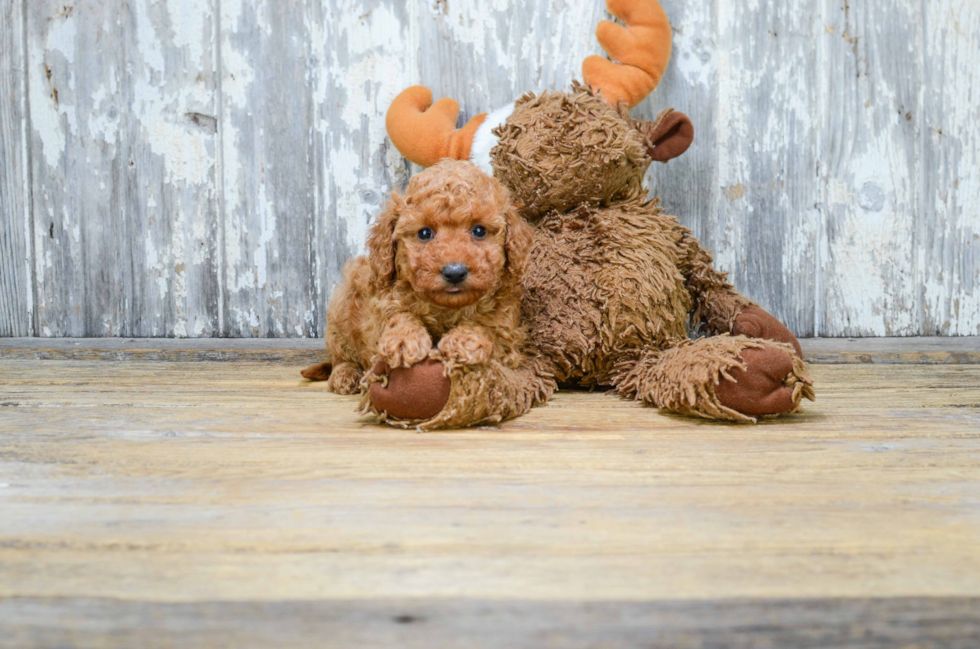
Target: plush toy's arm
424	396
716	302
719	308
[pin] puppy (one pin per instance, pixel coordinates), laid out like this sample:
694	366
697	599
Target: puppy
442	279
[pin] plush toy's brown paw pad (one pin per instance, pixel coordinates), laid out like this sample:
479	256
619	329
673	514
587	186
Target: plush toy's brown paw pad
773	382
318	372
758	323
418	392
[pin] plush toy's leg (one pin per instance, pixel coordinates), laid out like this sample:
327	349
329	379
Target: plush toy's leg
722	377
484	394
719	308
754	322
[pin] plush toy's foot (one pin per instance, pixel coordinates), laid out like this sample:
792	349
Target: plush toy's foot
722	377
425	396
415	393
755	322
773	381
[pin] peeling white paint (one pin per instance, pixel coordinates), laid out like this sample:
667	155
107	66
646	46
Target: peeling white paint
47	112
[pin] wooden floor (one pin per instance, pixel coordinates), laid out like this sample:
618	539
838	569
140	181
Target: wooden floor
209	503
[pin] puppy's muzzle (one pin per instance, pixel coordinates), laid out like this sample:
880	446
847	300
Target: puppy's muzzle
455	273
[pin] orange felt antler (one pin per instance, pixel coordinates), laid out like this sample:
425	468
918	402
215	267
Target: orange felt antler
640	52
424	132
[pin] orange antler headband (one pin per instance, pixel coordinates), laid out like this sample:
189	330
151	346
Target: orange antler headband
424	132
640	52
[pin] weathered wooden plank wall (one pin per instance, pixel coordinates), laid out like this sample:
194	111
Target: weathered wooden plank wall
125	201
16	289
178	168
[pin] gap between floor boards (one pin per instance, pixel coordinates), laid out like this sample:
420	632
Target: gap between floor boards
820	351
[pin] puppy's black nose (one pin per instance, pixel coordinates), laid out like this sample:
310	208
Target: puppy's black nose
455	272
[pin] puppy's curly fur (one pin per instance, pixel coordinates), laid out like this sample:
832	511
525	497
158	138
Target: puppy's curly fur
395	306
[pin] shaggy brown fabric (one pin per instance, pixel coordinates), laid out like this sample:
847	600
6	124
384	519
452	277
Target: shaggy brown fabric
602	282
716	302
490	393
560	149
686	378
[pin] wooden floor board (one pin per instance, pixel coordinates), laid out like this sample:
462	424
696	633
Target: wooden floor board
191	499
901	351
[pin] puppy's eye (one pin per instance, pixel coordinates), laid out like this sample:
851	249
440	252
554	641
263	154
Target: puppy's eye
479	232
426	234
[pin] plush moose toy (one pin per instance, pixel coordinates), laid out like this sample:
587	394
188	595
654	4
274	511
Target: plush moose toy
611	282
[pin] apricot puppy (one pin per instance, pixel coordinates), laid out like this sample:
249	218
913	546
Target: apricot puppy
442	280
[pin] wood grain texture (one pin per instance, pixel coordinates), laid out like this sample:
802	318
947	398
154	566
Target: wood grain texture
211	496
871	157
125	203
268	170
765	219
206	170
689	186
16	256
82	623
948	243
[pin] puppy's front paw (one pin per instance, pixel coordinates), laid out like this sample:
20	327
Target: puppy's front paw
345	379
404	347
465	346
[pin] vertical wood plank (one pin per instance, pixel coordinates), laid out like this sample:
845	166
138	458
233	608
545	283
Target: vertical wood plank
948	245
364	52
122	98
870	163
487	53
764	216
688	186
16	284
268	170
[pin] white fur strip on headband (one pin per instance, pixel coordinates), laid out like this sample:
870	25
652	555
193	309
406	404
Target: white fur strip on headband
485	140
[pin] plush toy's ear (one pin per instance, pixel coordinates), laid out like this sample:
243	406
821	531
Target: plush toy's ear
381	243
668	136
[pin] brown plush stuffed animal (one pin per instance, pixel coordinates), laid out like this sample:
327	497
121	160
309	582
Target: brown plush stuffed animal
612	282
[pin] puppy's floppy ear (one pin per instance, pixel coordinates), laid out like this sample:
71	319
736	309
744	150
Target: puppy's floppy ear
518	244
381	243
